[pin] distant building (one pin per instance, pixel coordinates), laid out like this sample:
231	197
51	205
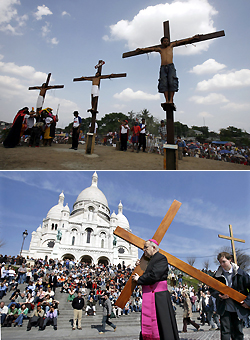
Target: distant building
85	234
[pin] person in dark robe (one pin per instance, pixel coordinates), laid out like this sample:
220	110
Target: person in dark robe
157	320
14	135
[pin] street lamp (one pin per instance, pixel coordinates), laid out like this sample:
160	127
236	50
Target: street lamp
25	234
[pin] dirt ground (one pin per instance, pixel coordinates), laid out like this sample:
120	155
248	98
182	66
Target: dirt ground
60	157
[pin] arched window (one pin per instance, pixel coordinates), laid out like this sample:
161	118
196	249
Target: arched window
88	230
56	227
52	227
73	240
102	243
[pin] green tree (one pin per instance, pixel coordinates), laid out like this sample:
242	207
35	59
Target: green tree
230	132
203	129
180	129
111	122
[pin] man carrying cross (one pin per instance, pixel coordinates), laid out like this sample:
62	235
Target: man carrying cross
158	319
168	81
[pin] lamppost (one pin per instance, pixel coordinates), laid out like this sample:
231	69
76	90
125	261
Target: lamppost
25	234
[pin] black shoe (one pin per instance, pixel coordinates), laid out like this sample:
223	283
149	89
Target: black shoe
28	329
55	328
75	148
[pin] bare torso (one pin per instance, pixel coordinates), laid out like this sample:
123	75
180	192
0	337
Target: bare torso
166	55
96	81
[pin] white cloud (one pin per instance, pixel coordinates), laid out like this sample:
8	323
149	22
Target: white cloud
212	98
228	80
128	94
7	10
187	18
45	29
236	106
54	41
65	13
209	66
9	17
205	114
27	72
45	32
14	91
42	11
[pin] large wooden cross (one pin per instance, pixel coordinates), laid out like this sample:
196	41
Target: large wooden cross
96	79
232	239
169	154
173	261
43	89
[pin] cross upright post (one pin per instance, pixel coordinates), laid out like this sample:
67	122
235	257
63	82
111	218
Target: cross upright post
232	239
43	89
96	80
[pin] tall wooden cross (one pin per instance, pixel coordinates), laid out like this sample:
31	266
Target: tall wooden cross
96	80
232	239
173	261
43	89
169	159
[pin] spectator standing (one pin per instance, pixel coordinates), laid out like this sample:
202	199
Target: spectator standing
76	130
142	136
22	273
78	304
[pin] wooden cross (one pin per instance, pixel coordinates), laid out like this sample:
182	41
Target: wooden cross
169	154
96	80
43	89
173	261
232	239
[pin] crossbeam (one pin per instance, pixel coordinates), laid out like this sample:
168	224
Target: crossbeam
199	38
183	266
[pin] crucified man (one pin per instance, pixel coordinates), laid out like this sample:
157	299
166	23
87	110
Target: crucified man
168	81
96	88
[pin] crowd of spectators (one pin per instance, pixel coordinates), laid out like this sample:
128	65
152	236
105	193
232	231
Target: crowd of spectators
40	279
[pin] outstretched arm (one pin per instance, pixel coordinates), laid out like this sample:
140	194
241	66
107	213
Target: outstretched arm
149	49
181	42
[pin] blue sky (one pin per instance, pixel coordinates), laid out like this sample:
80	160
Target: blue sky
210	202
67	38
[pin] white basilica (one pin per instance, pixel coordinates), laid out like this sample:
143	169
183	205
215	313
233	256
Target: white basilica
85	234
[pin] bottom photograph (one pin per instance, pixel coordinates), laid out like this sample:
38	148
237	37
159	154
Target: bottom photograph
125	255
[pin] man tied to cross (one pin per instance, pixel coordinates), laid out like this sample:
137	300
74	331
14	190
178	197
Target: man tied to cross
43	89
168	81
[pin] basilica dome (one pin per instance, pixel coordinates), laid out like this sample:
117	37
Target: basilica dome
122	220
55	211
92	193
